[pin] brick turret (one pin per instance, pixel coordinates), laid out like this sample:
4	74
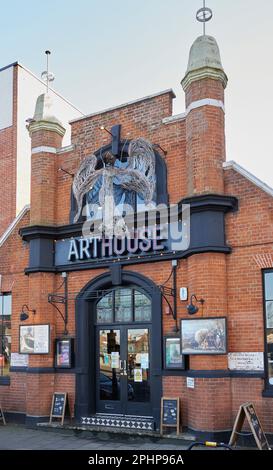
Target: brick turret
46	134
204	85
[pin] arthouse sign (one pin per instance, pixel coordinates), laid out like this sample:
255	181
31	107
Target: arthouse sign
82	249
169	232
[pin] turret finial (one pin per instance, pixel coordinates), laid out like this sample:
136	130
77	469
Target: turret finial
46	75
204	15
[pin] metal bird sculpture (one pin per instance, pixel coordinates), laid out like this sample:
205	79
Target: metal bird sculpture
138	175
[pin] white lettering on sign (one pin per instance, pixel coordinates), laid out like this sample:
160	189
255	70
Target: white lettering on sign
90	248
246	361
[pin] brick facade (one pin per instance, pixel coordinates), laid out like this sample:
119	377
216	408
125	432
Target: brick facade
231	284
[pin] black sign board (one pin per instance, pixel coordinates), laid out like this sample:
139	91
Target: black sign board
2	417
170	413
59	406
247	411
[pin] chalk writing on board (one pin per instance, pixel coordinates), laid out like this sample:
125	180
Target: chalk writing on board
169	412
58	407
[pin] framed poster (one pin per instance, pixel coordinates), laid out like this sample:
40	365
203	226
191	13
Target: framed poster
204	335
64	350
34	339
173	359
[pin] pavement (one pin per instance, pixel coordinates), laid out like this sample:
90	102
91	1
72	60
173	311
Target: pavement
18	437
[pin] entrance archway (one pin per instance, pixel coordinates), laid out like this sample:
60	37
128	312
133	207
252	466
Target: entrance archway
118	347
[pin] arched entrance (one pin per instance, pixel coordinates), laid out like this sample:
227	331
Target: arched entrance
118	347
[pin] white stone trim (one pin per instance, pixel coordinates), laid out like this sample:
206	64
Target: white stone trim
204	72
46	126
68	148
195	105
44	149
232	165
205	102
13	224
176	118
129	103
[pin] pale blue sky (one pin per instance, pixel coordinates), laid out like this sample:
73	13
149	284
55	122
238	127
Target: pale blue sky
108	52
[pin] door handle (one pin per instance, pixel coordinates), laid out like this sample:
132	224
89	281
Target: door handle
123	368
109	407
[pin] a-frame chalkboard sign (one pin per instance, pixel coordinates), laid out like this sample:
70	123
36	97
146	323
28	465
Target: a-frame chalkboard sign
59	407
247	411
170	414
2	416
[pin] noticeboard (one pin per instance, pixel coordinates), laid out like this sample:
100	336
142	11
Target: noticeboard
34	339
170	413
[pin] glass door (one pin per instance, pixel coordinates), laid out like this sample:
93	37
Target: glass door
123	372
109	371
138	371
123	361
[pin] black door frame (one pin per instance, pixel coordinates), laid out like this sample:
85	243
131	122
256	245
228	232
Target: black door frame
85	401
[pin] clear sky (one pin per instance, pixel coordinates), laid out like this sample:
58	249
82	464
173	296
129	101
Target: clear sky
108	52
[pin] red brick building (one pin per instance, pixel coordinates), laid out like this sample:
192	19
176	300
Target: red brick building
124	304
19	89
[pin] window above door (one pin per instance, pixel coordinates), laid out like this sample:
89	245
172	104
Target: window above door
124	305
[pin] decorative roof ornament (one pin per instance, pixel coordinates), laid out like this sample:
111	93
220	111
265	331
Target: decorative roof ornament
47	76
204	15
204	59
138	175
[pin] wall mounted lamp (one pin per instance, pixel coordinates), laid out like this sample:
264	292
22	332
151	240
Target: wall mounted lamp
102	128
24	315
67	172
162	150
192	308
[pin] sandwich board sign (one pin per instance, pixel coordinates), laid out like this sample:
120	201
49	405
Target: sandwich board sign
247	411
2	417
59	406
170	414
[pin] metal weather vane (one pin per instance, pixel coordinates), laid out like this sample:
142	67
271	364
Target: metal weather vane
204	15
47	76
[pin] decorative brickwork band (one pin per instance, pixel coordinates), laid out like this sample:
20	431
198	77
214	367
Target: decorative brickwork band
264	261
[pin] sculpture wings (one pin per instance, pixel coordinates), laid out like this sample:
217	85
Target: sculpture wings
141	169
137	176
84	180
